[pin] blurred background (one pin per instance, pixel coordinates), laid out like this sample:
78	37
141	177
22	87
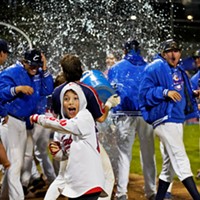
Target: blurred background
92	28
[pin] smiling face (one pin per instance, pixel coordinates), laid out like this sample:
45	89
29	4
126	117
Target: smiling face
32	70
110	60
70	104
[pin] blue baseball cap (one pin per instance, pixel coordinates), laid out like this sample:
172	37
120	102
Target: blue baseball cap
4	46
33	58
131	44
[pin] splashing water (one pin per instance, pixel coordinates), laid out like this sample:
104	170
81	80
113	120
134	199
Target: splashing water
89	28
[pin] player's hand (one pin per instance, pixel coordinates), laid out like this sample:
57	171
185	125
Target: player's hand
6	165
25	89
34	118
5	120
113	101
54	147
174	95
4	159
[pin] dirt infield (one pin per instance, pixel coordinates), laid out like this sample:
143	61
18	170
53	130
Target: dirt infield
136	192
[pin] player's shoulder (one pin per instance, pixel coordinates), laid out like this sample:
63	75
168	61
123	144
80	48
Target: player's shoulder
155	65
58	89
13	70
87	89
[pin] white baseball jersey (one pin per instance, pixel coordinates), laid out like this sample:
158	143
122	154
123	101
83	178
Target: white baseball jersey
84	168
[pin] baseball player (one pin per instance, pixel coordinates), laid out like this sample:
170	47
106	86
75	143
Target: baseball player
125	76
38	143
4	51
72	70
195	80
81	148
111	58
21	85
166	100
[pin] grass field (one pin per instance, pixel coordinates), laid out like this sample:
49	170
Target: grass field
192	145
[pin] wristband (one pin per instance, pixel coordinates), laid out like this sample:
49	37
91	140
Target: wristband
108	104
165	92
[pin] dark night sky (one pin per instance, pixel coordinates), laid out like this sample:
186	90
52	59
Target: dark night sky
92	28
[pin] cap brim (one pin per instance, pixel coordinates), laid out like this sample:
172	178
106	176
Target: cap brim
36	64
171	49
5	50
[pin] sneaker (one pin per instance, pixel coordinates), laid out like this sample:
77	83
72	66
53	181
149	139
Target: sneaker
123	197
168	196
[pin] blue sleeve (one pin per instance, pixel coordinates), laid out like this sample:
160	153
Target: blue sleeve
7	86
150	90
47	84
110	75
194	81
3	111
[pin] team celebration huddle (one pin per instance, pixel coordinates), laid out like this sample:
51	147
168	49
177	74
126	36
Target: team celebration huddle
54	123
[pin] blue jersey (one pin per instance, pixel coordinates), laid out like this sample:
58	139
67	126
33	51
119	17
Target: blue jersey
125	77
21	105
155	107
195	80
177	113
42	105
3	111
94	105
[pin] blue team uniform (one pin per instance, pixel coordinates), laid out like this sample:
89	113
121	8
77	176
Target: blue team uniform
24	105
155	108
125	77
195	80
3	111
19	107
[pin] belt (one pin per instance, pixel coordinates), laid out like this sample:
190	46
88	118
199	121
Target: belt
127	113
20	118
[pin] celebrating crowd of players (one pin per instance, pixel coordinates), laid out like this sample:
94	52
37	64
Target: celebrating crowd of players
153	98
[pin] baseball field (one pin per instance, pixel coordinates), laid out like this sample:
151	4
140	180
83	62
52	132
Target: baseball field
192	145
136	181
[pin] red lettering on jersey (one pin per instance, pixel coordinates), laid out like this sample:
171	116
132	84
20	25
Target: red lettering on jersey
51	118
67	143
63	122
